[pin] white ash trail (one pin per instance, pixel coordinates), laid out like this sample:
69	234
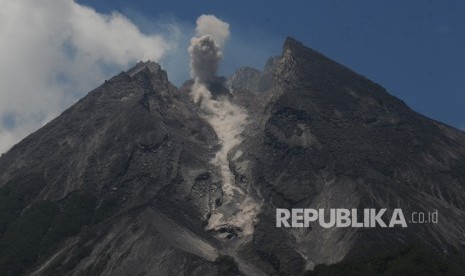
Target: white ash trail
227	119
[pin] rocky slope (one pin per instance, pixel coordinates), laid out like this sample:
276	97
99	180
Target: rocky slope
129	180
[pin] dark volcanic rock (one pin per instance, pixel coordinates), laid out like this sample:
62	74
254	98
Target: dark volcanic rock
122	183
330	138
135	143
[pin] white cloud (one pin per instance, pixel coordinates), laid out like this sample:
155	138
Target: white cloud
53	51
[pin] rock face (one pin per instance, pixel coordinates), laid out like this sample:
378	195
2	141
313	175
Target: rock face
123	182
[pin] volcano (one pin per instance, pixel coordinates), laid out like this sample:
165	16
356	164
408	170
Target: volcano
143	178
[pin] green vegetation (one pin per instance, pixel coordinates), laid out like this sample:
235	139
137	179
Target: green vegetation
412	260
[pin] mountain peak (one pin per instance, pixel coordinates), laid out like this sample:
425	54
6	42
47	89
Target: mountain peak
297	49
291	43
151	66
137	177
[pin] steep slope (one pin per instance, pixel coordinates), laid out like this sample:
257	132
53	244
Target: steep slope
130	145
330	138
138	178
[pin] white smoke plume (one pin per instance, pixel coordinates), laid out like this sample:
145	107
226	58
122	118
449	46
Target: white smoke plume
227	119
205	48
205	58
211	25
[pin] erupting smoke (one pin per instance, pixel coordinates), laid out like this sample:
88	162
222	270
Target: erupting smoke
205	58
205	49
227	119
210	25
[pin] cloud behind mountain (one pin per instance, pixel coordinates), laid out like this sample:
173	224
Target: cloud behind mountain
54	51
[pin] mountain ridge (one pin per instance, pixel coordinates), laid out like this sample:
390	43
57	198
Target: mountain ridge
140	152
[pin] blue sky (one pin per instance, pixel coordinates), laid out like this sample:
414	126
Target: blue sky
415	49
